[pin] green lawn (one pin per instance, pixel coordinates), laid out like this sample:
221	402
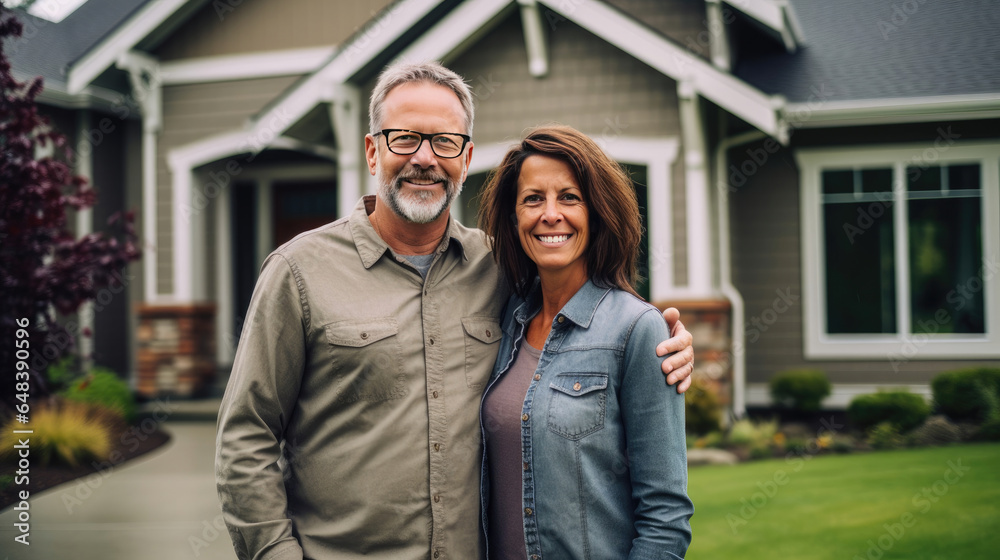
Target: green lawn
908	504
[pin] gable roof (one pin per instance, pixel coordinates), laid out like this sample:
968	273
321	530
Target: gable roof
454	31
47	49
139	24
863	50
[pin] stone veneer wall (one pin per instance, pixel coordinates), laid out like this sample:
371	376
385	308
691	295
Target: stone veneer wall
176	349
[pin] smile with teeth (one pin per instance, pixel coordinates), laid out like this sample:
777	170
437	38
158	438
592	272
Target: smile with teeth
552	238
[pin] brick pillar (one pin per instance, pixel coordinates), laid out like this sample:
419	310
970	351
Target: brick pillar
176	349
709	322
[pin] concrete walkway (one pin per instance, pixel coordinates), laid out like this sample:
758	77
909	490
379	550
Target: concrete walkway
161	506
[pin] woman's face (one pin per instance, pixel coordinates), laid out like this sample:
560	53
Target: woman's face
552	217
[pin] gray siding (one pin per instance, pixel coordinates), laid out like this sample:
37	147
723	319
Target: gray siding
591	85
766	257
192	113
683	21
262	25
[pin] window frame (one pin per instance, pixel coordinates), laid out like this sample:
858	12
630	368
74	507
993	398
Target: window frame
903	345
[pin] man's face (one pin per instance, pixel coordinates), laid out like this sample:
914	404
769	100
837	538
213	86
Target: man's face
421	186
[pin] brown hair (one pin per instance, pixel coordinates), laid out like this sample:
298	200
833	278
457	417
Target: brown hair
615	227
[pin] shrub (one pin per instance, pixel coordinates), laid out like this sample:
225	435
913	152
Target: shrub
903	410
967	394
702	412
937	430
802	389
885	435
70	434
102	387
989	431
754	434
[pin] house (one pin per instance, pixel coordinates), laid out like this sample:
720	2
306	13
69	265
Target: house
820	181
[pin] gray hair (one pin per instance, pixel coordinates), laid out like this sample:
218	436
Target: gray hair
405	73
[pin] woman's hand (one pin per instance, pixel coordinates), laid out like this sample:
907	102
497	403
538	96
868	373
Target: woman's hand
680	365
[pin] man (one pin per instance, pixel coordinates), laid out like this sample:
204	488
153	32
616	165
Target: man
350	426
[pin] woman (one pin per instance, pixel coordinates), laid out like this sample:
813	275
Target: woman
584	439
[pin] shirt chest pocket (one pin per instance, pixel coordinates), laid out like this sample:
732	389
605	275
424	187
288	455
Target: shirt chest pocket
366	359
481	337
578	404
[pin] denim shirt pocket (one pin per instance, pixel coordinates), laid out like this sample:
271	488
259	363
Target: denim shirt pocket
578	404
367	359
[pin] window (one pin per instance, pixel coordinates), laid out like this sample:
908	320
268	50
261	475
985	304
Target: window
900	248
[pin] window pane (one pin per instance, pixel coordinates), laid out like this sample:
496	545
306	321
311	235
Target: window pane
860	268
923	178
838	182
963	177
876	180
945	263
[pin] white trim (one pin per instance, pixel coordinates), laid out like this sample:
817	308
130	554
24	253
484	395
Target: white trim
720	50
450	35
699	220
345	119
903	345
125	36
355	55
894	110
738	342
84	167
224	352
534	38
245	66
841	394
731	93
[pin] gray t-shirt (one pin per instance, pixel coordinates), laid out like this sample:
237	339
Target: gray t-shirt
502	410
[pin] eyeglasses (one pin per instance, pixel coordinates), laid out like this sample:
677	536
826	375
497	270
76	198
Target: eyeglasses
445	145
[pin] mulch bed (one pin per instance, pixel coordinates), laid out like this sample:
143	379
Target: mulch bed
45	477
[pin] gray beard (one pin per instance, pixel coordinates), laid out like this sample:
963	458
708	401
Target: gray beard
421	207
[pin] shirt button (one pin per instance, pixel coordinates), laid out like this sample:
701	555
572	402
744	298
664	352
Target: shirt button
526	466
524	417
435	394
576	386
527	511
437	447
561	319
489	333
437	499
537	376
364	336
432	342
437	554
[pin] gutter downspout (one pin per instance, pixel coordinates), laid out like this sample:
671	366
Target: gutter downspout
738	351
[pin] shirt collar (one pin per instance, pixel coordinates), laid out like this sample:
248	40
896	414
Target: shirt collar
371	247
580	308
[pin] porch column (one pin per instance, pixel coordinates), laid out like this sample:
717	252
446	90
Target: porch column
345	117
84	167
701	279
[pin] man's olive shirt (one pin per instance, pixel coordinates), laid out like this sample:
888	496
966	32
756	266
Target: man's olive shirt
365	380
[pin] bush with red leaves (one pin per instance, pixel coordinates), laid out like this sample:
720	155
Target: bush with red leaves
43	266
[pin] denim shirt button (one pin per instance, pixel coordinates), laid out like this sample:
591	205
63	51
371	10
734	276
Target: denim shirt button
527	511
524	417
526	465
537	376
561	319
576	386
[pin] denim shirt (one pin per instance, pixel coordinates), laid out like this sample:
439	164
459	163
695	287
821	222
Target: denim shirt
602	434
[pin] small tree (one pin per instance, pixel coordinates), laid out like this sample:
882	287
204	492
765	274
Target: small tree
43	267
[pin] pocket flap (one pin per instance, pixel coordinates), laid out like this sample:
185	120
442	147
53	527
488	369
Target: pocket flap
482	329
575	384
361	333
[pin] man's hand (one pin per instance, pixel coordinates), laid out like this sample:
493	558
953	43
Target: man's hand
678	367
